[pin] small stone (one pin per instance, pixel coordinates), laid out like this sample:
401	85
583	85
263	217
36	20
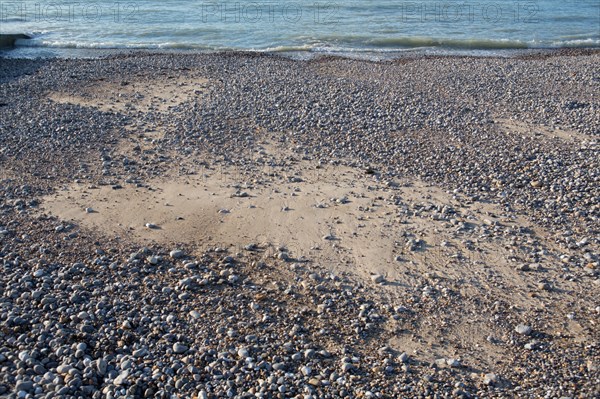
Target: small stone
278	366
314	382
89	210
523	267
536	184
39	369
347	367
140	352
454	363
377	278
101	366
121	378
544	286
251	247
403	358
176	254
64	369
194	314
243	353
26	386
490	379
531	345
306	371
523	329
179	348
190	265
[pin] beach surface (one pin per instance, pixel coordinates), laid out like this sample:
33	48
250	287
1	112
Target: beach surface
246	225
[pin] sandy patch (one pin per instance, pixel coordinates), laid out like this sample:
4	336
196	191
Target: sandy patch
338	217
347	222
536	130
137	95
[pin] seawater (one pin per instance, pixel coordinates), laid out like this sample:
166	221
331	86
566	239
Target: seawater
376	26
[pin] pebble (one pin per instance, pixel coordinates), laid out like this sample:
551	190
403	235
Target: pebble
544	286
25	386
314	382
101	366
140	352
153	260
243	353
121	378
194	314
179	348
347	367
278	366
403	357
536	184
523	329
176	254
490	379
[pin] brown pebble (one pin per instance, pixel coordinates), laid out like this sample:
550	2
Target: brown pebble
544	286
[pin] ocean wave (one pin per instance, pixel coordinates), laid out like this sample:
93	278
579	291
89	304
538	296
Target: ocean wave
417	42
108	45
339	44
590	42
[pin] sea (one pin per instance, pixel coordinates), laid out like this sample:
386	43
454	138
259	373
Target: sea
370	28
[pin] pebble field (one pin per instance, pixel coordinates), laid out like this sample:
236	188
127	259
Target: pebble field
87	313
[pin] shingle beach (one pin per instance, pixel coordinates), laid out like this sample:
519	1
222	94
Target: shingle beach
252	226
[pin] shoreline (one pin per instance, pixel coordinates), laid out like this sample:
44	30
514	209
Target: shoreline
366	55
246	225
